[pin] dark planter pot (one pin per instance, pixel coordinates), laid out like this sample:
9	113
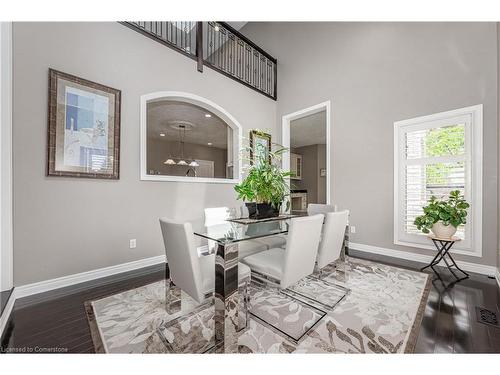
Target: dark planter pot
261	210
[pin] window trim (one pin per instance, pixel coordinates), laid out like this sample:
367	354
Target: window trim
475	163
201	102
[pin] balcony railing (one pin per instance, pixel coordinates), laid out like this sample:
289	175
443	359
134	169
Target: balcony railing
218	46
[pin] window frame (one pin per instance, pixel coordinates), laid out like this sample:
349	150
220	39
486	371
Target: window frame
200	102
473	117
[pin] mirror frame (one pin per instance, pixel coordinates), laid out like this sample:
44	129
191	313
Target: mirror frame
200	102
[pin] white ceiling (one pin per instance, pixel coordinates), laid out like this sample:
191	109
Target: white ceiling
163	115
309	130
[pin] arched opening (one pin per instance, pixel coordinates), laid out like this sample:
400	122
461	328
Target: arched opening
185	137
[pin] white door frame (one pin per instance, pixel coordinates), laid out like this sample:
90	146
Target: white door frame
285	138
6	249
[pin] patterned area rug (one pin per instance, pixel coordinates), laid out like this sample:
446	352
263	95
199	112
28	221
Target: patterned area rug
381	314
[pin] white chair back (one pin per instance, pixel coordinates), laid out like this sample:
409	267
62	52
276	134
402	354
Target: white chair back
244	211
301	248
182	257
216	215
332	237
316	208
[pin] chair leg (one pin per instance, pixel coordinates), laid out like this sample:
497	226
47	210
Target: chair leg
246	303
172	304
168	296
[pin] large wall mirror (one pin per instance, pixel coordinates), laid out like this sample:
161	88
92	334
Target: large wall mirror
185	137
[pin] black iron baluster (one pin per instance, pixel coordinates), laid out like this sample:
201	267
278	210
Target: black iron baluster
181	35
219	46
199	45
226	50
209	42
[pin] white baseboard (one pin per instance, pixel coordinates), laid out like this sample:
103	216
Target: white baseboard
61	282
498	277
467	266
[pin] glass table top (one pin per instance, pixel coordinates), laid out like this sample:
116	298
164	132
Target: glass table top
230	231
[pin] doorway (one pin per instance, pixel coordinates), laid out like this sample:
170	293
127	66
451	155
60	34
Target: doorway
307	134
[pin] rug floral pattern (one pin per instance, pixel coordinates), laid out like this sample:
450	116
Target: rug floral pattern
379	315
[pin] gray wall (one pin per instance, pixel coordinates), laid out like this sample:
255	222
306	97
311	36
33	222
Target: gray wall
309	179
375	74
498	130
64	226
313	158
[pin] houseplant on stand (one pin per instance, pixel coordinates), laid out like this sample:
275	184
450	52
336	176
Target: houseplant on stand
265	187
443	217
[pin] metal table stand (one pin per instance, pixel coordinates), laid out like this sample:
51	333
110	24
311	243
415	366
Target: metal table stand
443	246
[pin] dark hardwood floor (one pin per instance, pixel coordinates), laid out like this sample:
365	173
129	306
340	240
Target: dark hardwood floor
4	298
56	321
450	324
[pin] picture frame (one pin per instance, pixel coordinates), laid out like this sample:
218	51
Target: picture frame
322	172
259	142
83	136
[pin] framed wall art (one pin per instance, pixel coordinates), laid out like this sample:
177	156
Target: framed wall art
260	145
83	128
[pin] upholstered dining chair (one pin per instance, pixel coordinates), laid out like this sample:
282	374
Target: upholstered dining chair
332	238
284	267
193	274
278	240
318	208
219	215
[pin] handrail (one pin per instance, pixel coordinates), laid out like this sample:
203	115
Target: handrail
227	50
140	27
248	41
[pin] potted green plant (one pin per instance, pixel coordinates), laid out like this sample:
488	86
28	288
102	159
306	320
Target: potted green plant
443	217
265	187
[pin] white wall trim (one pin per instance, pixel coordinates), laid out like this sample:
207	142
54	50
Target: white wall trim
285	138
61	282
497	276
201	102
467	266
6	247
473	118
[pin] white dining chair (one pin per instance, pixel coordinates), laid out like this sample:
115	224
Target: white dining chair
317	208
332	238
220	215
278	240
284	267
193	274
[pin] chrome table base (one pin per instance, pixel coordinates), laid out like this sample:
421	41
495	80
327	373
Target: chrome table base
226	298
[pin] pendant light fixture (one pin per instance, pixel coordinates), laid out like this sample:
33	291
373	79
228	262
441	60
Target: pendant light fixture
181	160
182	135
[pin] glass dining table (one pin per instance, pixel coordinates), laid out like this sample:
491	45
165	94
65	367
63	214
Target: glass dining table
227	235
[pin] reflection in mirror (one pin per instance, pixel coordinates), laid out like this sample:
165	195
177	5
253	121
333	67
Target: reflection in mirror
184	139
